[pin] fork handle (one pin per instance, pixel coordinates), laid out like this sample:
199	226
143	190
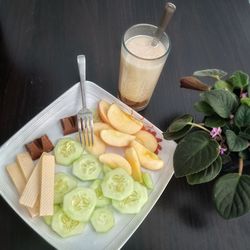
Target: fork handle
81	61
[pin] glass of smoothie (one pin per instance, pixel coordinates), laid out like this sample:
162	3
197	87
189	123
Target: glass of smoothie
141	64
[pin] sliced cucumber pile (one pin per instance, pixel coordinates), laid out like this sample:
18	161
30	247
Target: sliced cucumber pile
134	202
102	220
76	205
63	184
67	150
65	226
101	199
87	167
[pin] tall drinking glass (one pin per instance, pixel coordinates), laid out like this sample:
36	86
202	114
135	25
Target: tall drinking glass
141	64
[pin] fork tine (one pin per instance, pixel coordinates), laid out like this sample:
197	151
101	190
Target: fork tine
92	131
88	130
79	124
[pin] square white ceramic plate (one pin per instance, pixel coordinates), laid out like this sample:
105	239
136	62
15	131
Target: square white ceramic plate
47	122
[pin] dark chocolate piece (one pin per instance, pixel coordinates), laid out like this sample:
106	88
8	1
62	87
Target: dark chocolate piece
38	146
69	124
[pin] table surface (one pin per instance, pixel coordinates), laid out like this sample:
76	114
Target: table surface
39	42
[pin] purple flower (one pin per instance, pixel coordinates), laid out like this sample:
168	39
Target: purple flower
222	150
243	95
215	131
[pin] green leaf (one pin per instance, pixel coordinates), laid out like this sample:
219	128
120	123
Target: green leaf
245	100
248	90
234	142
245	134
239	80
204	107
177	135
214	121
231	195
195	152
245	154
179	123
207	174
222	101
223	85
242	116
215	73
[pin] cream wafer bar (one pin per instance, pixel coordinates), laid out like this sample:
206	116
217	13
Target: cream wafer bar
47	185
25	163
20	182
32	188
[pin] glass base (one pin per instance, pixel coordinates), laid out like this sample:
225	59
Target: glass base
137	106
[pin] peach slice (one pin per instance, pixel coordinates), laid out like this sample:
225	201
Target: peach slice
147	158
98	148
147	140
132	158
122	121
103	107
98	126
115	161
116	138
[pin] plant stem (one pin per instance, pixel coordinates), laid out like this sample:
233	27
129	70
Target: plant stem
240	166
198	126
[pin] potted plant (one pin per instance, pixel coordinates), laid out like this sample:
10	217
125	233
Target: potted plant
218	147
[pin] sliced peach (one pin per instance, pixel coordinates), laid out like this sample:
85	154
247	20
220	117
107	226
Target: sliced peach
132	158
98	148
147	158
98	126
122	121
147	140
116	138
103	107
115	161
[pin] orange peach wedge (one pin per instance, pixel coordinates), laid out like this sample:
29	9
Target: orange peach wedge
98	148
98	126
147	158
122	121
147	140
115	161
132	158
116	138
103	107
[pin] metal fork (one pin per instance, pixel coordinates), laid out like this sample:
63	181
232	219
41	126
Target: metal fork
84	116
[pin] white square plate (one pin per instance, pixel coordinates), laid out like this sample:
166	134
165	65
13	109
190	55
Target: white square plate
47	122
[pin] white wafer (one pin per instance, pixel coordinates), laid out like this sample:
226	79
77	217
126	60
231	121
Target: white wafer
47	185
25	163
19	182
32	188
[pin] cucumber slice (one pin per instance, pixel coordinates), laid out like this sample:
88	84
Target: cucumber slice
67	150
65	226
48	219
102	220
106	168
63	184
117	184
147	180
101	200
79	203
134	202
87	167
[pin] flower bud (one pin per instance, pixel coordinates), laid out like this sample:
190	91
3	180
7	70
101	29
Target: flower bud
190	82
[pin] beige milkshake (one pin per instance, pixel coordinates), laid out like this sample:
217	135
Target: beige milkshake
140	67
